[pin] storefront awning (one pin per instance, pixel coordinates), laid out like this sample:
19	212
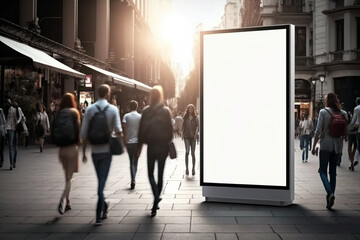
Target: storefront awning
40	58
121	79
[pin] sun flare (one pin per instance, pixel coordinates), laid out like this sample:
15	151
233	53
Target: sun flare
179	33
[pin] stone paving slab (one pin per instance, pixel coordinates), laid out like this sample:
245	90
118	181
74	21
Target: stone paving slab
29	196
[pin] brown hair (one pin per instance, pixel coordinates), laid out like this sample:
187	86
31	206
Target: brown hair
332	101
187	113
156	95
68	101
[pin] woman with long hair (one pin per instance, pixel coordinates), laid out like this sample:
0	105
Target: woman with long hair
156	131
42	125
190	131
68	154
330	146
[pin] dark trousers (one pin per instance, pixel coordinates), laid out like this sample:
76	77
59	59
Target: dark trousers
2	146
102	162
132	149
157	152
13	146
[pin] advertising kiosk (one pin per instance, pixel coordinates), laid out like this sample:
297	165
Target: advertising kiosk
247	115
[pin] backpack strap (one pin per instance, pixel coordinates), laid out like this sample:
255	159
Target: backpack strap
105	108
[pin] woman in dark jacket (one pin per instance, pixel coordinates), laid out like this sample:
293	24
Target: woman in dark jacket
190	131
156	131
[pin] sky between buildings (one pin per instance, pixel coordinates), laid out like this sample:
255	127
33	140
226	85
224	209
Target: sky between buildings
179	23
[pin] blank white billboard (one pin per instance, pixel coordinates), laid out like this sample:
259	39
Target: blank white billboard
245	112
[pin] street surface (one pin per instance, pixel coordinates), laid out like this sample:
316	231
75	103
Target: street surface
29	196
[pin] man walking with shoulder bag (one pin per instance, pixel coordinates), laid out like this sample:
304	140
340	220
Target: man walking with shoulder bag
100	120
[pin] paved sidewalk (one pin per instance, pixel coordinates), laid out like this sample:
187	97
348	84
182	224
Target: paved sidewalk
29	196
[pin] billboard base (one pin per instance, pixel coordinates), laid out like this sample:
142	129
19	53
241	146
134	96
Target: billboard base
247	201
258	196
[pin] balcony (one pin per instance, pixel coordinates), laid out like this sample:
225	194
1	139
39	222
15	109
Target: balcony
339	57
303	62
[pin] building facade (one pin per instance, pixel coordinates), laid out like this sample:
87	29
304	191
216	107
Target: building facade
105	41
327	47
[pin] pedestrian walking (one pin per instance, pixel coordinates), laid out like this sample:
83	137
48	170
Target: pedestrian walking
100	119
12	114
131	124
156	131
42	127
190	131
355	122
178	124
330	144
67	124
2	136
306	127
352	143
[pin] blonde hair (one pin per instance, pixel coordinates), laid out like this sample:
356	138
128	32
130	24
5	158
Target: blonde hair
156	95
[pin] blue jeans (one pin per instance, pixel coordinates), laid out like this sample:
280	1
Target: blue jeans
13	145
306	139
159	152
102	162
190	144
132	149
328	158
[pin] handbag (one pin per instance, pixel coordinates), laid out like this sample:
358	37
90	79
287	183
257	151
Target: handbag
116	147
172	150
20	127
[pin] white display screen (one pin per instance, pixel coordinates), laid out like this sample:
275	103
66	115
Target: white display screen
245	107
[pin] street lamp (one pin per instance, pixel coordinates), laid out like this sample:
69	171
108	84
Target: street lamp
322	77
313	81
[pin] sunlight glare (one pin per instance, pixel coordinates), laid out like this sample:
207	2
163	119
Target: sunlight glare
179	32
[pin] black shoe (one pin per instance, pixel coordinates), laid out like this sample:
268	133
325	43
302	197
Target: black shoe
61	207
132	185
106	210
327	200
356	163
331	201
10	168
67	208
14	166
153	212
98	222
1	165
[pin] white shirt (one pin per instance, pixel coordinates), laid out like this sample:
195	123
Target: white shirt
132	121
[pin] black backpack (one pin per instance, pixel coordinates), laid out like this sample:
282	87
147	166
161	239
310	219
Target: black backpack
98	132
63	131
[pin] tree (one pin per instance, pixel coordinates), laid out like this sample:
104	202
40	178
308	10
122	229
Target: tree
191	92
167	80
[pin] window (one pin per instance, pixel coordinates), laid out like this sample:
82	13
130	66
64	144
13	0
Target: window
339	35
300	41
358	32
293	5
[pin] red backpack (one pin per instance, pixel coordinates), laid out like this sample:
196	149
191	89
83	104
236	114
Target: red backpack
337	126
